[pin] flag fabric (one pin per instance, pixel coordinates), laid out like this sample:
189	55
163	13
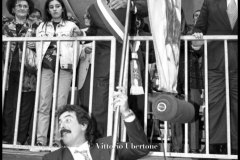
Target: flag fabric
110	20
165	24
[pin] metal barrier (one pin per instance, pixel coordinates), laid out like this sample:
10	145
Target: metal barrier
59	40
186	153
167	153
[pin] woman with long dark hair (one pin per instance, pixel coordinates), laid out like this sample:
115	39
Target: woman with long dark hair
54	25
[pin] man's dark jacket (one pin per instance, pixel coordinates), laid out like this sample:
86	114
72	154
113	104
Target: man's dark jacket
214	20
98	28
136	138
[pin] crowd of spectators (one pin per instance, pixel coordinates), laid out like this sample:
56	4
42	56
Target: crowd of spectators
56	21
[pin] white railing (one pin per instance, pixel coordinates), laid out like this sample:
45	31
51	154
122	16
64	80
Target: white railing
167	153
76	41
186	153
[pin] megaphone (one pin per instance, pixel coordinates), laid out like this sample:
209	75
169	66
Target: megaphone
167	107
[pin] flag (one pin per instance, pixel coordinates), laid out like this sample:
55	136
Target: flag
165	24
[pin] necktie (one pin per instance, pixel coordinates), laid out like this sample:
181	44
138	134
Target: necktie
232	11
84	153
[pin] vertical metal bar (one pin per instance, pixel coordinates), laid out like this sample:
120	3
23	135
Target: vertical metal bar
186	91
55	93
111	87
19	94
116	122
146	87
39	67
5	73
206	96
115	129
75	57
227	98
126	67
125	84
92	76
165	136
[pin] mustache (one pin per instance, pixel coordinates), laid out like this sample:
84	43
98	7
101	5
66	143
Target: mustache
64	130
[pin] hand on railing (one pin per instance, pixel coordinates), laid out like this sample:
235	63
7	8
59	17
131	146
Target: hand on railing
30	45
77	32
198	35
196	45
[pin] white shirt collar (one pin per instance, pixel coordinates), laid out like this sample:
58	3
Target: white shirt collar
228	1
84	147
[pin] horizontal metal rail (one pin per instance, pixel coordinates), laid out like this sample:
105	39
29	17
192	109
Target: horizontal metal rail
107	38
88	38
192	155
211	37
206	39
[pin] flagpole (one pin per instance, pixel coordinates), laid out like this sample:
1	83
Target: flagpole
120	83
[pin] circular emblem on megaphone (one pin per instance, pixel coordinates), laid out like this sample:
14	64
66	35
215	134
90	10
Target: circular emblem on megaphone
161	107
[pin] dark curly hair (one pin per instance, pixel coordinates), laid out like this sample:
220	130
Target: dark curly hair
48	16
11	4
83	118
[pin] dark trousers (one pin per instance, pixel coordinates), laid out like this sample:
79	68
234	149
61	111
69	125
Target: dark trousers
194	130
10	107
217	107
100	100
177	137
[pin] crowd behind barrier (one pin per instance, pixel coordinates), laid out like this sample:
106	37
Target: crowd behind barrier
34	86
165	136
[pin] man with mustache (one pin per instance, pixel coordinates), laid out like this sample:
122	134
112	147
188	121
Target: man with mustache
78	133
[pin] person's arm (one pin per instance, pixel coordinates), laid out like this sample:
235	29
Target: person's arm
139	7
76	31
137	145
31	45
38	43
92	31
201	26
202	22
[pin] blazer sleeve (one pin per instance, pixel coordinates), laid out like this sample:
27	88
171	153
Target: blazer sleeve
136	147
202	22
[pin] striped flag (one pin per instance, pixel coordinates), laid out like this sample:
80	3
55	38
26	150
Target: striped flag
165	24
